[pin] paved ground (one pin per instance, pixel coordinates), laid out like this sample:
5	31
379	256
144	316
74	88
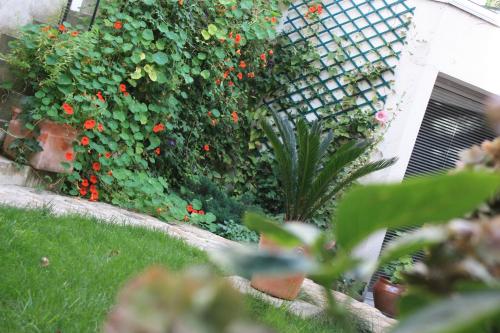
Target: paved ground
311	302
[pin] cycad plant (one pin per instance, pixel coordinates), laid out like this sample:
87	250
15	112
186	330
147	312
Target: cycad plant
309	175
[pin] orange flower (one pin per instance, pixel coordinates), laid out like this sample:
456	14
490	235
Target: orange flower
93	188
312	9
240	76
234	115
158	128
118	25
274	20
226	74
251	75
217	82
67	108
243	64
45	29
201	212
206	147
238	52
157	151
83	192
74	33
237	38
263	57
100	128
85	182
85	141
271	52
61	28
110	173
93	179
180	2
319	8
94	196
107	155
89	124
96	166
99	96
69	156
123	87
189	208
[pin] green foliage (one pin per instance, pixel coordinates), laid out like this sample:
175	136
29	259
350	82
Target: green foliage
309	176
431	199
172	92
396	268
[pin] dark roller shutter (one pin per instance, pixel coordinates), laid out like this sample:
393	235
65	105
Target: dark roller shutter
446	130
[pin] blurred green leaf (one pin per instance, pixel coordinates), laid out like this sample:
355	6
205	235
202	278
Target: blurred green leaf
462	313
273	231
433	199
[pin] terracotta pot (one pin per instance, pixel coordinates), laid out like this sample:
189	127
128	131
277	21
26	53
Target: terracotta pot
286	286
386	296
56	141
15	130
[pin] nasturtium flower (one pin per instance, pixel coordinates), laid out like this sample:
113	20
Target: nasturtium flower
251	75
158	128
94	196
123	87
274	19
235	117
231	83
271	52
85	182
107	155
118	25
312	9
96	166
237	38
240	76
157	151
89	124
61	28
189	208
74	33
99	96
242	64
69	156
206	147
263	57
85	141
67	108
100	128
83	192
93	179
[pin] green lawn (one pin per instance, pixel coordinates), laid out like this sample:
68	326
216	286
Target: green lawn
89	262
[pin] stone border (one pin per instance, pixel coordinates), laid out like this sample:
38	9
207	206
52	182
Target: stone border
12	195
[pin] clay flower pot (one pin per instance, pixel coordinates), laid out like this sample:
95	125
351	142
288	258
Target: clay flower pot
386	296
55	139
284	287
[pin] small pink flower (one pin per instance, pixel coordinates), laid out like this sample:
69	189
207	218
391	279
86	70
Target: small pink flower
381	117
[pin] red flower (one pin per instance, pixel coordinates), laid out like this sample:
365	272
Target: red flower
312	9
234	115
85	141
206	147
83	192
237	38
157	151
243	64
69	156
226	74
201	212
231	83
238	52
99	96
118	25
100	128
251	75
240	76
123	87
93	188
107	155
89	124
125	94
217	82
273	19
67	108
94	196
271	52
74	33
319	8
189	208
85	183
263	57
93	179
96	166
158	128
61	28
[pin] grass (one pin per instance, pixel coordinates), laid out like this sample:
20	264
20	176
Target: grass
89	262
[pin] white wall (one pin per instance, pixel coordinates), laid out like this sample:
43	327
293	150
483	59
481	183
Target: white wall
16	13
443	40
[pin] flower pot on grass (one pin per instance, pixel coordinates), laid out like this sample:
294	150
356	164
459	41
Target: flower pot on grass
310	178
386	295
284	287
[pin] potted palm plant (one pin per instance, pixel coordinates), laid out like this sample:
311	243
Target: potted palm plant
310	177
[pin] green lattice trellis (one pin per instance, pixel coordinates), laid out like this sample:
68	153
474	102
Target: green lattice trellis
353	38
